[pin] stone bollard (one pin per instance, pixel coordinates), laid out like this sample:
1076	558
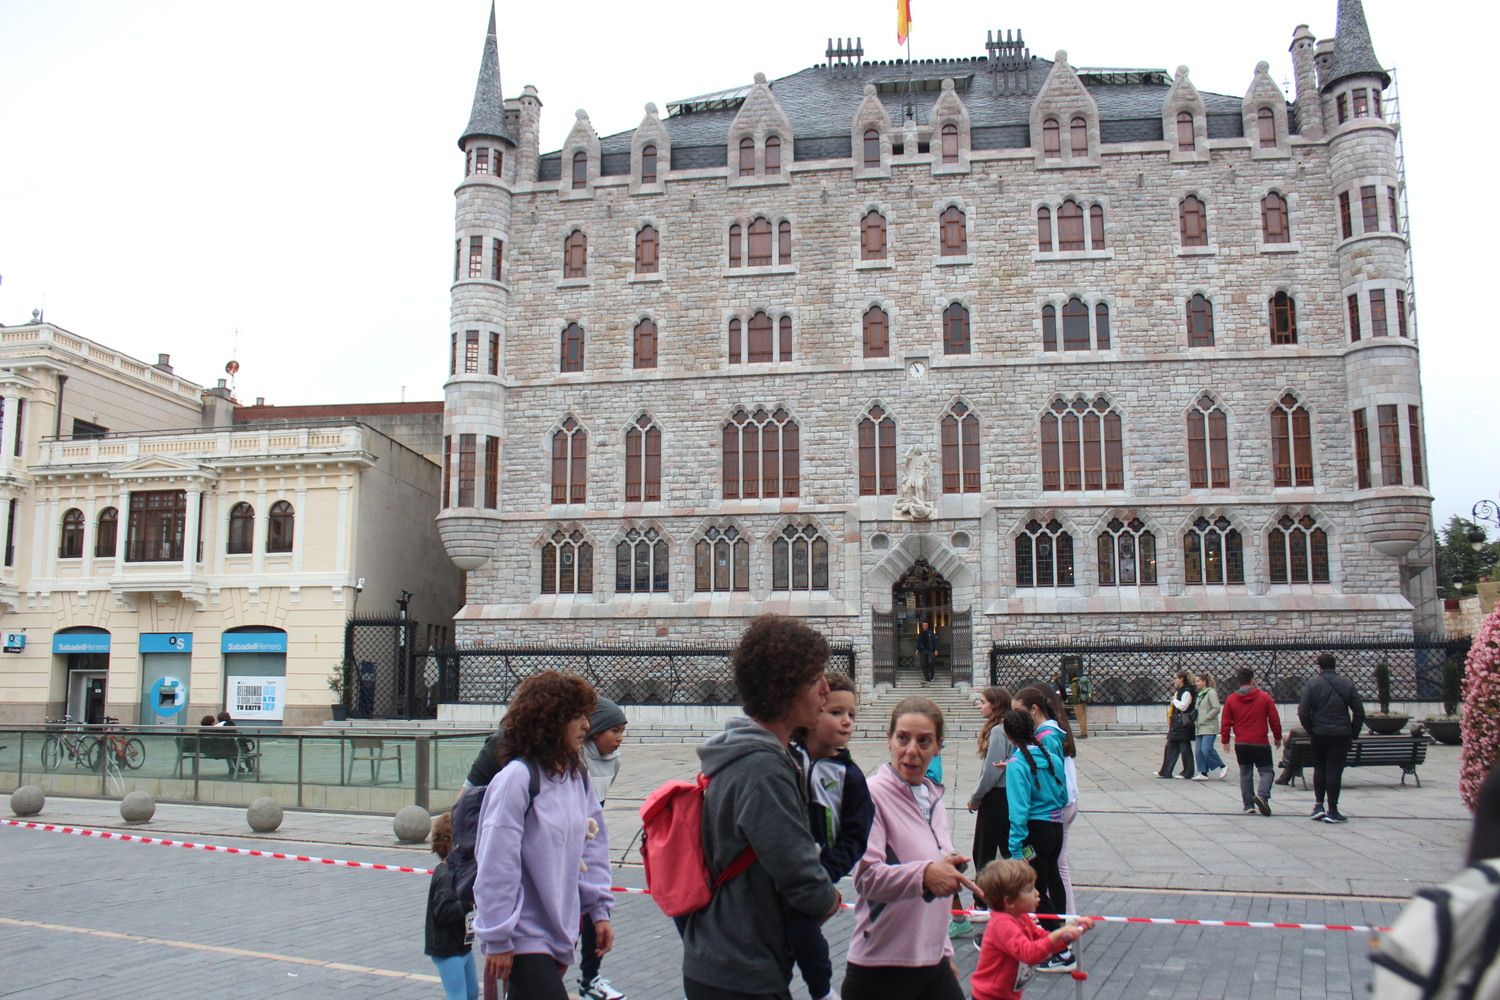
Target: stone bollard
27	800
264	815
412	824
137	807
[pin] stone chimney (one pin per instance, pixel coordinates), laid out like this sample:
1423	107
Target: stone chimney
163	363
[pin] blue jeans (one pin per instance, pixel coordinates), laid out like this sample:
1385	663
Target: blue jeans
1208	754
459	975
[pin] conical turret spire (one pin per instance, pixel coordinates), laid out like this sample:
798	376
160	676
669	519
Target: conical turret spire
488	116
1353	53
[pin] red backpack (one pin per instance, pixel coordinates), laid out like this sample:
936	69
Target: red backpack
672	849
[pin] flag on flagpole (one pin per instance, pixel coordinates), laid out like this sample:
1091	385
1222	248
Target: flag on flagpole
903	21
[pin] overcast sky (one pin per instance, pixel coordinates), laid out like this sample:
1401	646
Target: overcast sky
272	182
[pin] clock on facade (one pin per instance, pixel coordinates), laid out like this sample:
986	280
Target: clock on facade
916	370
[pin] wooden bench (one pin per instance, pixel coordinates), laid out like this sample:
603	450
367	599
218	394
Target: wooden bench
1404	751
241	755
373	750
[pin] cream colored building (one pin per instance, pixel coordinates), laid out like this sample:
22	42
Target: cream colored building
167	552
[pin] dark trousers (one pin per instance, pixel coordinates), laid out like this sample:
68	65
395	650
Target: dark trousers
702	991
929	668
810	950
1254	759
1329	754
880	982
991	830
532	977
1046	839
1183	747
588	941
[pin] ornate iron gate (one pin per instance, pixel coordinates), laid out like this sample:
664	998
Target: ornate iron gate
961	663
883	647
384	677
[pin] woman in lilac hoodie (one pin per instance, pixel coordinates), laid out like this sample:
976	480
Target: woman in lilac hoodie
543	861
908	875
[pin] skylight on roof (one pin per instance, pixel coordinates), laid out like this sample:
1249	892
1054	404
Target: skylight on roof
1115	76
716	101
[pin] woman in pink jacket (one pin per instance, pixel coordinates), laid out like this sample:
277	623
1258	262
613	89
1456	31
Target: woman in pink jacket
909	872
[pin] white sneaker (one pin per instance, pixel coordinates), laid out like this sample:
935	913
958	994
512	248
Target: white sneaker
599	989
1200	777
1223	772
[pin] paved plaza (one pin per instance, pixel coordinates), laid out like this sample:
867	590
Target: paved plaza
86	918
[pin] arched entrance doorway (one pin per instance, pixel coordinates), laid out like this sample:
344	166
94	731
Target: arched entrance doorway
921	594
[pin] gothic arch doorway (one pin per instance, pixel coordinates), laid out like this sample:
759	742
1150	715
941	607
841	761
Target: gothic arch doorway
921	594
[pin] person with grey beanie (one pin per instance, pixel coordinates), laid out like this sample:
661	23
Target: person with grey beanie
601	752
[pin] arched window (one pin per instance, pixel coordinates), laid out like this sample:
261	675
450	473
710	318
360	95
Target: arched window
799	559
761	455
572	348
1044	229
747	157
1082	446
760	242
1051	139
1079	130
281	524
70	545
773	155
1101	326
580	170
1049	328
877	333
1274	224
950	143
1283	318
1212	553
1194	222
1075	317
1069	226
1200	321
783	243
1096	227
1127	554
570	447
959	431
1265	127
877	453
567	564
1291	443
241	529
108	533
647	250
576	255
648	164
734	342
1044	555
641	563
953	234
643	354
955	329
758	345
1208	445
721	561
1298	550
872	147
735	242
872	236
1186	141
643	461
784	343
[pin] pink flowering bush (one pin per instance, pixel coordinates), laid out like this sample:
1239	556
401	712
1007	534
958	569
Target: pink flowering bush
1481	714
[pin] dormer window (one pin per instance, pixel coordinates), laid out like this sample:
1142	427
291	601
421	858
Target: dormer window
747	157
1265	123
580	170
648	164
1051	139
1080	136
950	143
1186	142
773	155
872	147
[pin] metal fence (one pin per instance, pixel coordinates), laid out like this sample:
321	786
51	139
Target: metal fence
644	675
381	647
1142	673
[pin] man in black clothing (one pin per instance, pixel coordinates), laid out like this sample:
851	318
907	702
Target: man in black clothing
1332	714
927	649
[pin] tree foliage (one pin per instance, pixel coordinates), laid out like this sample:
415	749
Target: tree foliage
1457	559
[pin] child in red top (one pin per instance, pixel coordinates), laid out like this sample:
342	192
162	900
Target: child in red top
1014	944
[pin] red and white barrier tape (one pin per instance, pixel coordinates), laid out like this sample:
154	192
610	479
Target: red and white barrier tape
191	845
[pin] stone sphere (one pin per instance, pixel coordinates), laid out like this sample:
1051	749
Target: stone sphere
412	824
264	815
27	800
137	807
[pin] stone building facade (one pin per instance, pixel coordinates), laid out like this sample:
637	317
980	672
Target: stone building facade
1032	351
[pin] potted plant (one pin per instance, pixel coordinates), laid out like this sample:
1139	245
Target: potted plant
341	683
1385	722
1445	728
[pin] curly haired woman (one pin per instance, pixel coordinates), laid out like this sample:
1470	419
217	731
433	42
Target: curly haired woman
541	860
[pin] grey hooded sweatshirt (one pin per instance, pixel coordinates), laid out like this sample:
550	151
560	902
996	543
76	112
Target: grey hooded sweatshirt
739	942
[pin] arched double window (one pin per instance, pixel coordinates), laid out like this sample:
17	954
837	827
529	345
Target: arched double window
959	432
761	455
1212	553
877	453
1298	550
241	539
280	526
106	537
643	461
1208	445
1127	554
1291	443
70	545
1082	446
641	563
1076	334
799	559
1044	555
721	561
570	444
567	563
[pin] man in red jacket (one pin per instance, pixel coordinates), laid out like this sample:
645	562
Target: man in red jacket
1250	714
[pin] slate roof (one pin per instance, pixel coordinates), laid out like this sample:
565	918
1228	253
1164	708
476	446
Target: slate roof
1353	52
821	104
488	115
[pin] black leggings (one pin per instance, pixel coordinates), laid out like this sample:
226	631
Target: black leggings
1329	753
883	982
702	991
532	977
1046	840
991	830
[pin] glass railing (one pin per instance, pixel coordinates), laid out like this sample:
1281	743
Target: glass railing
338	770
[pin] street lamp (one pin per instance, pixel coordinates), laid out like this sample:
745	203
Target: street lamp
1484	510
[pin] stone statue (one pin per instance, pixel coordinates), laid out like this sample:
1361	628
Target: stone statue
911	494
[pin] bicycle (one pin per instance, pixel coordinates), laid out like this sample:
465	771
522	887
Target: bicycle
72	744
116	750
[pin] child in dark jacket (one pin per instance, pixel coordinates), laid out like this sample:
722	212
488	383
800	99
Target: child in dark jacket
839	806
1014	944
449	943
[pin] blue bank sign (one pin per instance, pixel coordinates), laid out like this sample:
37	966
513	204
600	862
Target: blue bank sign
81	642
166	642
